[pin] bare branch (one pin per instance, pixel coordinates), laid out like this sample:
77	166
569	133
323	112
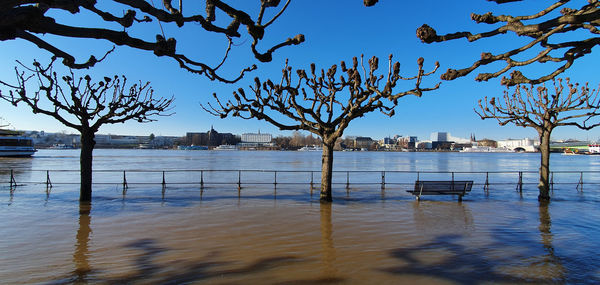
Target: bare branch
84	104
28	19
332	104
581	24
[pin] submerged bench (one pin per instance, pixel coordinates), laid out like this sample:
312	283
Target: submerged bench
452	187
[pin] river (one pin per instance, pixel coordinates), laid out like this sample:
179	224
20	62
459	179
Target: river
281	234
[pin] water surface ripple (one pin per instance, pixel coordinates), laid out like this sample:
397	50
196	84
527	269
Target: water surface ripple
283	235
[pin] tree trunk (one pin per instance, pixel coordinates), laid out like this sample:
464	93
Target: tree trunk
85	163
544	185
326	172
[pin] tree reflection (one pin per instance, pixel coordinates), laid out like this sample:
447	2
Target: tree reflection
549	260
328	254
81	255
511	255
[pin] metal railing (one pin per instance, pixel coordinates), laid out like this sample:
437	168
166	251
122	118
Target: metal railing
239	177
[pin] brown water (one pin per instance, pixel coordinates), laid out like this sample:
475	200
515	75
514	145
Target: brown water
284	235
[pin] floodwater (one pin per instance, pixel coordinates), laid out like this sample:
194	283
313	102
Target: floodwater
281	234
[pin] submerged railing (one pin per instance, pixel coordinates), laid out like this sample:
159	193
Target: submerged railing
240	177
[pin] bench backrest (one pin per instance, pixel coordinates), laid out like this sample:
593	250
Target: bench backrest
451	185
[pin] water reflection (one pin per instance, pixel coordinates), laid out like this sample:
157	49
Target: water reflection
447	256
548	262
81	255
328	254
438	217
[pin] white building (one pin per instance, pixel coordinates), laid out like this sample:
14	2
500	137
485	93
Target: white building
439	137
526	144
256	138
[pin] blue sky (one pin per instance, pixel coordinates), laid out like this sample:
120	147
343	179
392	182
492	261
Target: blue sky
335	31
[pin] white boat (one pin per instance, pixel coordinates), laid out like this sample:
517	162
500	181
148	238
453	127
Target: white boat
311	148
192	147
14	144
226	147
486	149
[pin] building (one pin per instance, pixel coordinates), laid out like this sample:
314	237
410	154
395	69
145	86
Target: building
362	142
439	137
256	138
409	142
525	144
211	138
256	141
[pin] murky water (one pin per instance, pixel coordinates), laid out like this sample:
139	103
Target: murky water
283	235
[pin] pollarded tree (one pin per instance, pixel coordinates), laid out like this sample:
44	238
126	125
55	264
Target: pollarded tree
321	104
86	105
572	32
536	108
27	20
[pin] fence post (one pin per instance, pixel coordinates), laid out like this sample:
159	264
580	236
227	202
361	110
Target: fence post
382	179
201	179
486	186
347	180
48	182
580	183
552	181
275	179
520	183
13	182
239	179
164	183
124	182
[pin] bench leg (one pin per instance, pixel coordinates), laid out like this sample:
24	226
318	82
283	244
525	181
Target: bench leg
418	197
460	198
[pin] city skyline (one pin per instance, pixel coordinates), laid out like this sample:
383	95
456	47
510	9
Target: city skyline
329	39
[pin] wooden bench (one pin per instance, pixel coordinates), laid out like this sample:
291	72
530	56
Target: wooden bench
452	187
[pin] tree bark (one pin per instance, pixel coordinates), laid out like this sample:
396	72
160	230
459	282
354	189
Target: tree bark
544	185
85	163
326	172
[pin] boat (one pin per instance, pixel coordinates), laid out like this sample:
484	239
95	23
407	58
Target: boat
226	147
61	146
14	144
594	149
311	148
486	149
192	147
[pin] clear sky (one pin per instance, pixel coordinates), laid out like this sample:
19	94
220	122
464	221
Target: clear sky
335	30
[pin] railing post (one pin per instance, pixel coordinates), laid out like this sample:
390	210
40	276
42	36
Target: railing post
347	180
124	183
552	180
275	178
13	182
201	179
486	186
311	182
453	182
164	183
239	179
580	183
520	183
382	179
48	182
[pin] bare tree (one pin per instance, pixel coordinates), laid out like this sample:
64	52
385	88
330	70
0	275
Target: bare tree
321	104
85	105
27	20
574	32
536	108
